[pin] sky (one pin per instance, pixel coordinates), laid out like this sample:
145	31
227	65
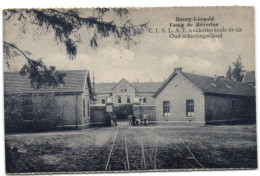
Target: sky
156	54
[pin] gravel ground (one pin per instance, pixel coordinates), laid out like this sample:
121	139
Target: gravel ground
135	148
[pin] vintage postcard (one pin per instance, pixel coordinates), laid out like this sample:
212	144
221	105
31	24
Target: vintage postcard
129	89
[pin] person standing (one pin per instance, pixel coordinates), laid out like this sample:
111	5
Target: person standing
130	118
133	120
145	118
108	119
114	120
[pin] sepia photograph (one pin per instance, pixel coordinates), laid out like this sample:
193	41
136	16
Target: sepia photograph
105	90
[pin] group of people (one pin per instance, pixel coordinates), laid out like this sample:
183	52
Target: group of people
110	117
132	120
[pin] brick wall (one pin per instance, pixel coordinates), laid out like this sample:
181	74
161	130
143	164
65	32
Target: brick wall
70	109
100	97
97	114
123	84
140	110
148	96
220	108
177	91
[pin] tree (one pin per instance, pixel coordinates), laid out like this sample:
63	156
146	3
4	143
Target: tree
123	111
28	112
236	73
66	25
229	72
45	119
238	70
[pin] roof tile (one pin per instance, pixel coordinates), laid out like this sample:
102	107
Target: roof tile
141	87
209	85
15	83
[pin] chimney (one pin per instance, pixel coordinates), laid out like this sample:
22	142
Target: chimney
215	78
218	77
178	69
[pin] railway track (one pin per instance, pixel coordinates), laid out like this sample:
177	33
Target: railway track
182	156
186	158
118	157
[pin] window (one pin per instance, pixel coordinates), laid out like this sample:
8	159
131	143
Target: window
189	108
128	99
140	100
166	109
84	109
124	90
233	104
119	100
144	100
103	100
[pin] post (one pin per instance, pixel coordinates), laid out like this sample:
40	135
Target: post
140	109
76	109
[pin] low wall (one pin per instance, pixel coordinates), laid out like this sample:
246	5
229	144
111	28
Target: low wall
149	110
97	114
178	123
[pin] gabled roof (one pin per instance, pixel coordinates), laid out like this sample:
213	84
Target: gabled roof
123	79
104	87
75	81
147	87
140	87
249	77
207	84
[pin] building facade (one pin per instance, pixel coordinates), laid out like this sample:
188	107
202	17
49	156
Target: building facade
249	78
125	92
186	98
65	106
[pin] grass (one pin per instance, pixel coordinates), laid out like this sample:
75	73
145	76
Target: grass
151	147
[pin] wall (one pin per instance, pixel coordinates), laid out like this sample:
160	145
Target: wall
97	114
149	110
70	110
123	84
85	96
177	91
219	108
99	97
148	96
49	111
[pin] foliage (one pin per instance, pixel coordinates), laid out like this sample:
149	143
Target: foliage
236	73
123	111
12	156
66	25
229	73
39	74
30	112
16	105
45	111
